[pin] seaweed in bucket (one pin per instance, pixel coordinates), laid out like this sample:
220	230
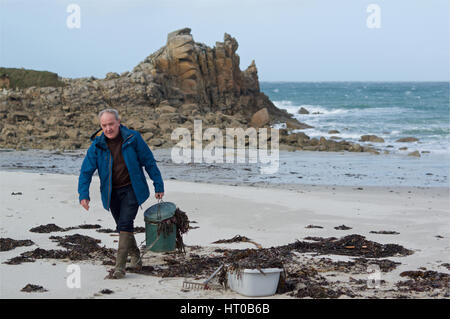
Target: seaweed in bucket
181	222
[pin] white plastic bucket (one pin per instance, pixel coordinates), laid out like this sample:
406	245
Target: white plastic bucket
252	283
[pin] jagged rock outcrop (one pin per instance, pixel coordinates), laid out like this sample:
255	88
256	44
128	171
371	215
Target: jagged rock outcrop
185	71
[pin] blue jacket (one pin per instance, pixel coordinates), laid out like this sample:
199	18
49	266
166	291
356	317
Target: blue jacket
136	154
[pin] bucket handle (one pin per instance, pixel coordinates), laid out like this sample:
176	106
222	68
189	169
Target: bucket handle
158	212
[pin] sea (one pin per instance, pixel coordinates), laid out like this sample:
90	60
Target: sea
391	110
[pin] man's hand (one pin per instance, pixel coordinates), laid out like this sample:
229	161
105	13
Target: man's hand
85	203
159	195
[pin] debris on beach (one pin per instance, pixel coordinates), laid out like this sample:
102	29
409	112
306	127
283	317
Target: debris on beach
351	245
254	259
83	247
106	291
106	230
33	288
342	227
385	232
193	222
38	253
87	226
137	230
284	257
319	291
424	281
385	265
237	239
313	226
78	247
195	266
354	266
49	228
319	238
446	265
302	275
9	243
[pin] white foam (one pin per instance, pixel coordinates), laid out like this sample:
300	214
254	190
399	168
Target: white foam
293	109
279	126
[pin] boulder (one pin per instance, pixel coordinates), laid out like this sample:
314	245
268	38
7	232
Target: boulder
148	126
156	142
415	153
260	118
112	75
407	139
295	125
314	142
303	111
147	136
52	134
72	133
355	148
17	117
165	109
371	138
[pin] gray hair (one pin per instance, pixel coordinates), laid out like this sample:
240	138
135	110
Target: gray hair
112	111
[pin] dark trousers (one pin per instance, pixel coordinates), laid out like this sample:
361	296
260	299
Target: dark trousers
124	207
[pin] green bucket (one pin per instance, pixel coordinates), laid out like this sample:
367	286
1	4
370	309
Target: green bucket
152	217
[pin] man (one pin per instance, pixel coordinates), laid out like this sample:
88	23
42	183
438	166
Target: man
119	154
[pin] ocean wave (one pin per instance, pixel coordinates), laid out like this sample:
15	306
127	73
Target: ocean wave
316	133
320	111
293	109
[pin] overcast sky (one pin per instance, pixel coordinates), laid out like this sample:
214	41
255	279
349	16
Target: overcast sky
297	40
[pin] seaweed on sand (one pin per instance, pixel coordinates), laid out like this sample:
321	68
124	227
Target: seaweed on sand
351	245
78	247
50	228
237	239
83	247
424	281
9	243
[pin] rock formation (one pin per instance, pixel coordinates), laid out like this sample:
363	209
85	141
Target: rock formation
182	81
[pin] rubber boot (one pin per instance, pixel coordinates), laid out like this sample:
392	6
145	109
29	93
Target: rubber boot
135	254
122	254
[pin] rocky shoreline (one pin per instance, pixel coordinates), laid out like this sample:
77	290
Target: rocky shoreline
181	82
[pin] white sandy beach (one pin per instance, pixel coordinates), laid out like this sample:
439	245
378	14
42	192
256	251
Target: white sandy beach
268	216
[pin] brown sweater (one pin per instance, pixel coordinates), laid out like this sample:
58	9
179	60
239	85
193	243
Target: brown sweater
120	176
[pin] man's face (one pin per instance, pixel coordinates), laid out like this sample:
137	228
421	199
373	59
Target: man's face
110	125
